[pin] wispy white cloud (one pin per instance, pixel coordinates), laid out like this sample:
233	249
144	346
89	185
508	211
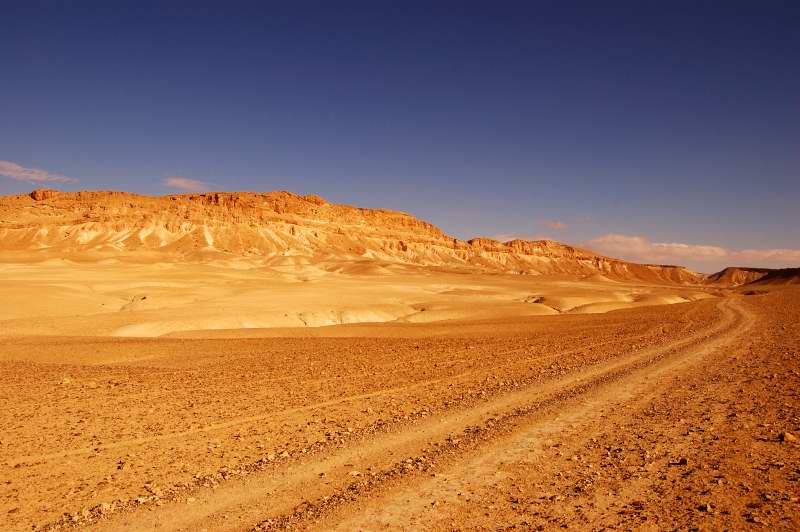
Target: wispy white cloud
778	255
32	175
555	224
641	249
185	183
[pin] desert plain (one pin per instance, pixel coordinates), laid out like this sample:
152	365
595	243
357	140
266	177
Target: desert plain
270	361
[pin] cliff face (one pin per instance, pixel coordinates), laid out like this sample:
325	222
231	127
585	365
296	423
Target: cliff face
94	224
782	276
736	276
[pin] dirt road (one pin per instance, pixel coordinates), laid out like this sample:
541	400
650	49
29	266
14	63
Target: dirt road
659	417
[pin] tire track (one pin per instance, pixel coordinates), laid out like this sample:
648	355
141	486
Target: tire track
404	505
273	498
36	459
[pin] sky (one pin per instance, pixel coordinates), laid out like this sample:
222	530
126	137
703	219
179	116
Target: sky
663	132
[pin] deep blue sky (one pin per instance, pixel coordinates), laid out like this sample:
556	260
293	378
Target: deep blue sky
672	121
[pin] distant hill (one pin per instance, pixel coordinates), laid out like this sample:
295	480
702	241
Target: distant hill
782	276
736	276
261	227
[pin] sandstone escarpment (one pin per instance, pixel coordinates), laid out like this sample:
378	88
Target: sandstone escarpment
263	226
44	193
736	276
777	277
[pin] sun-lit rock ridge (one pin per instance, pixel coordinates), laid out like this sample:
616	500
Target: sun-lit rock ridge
736	276
91	225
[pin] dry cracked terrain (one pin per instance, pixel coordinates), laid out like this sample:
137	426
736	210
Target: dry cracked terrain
679	416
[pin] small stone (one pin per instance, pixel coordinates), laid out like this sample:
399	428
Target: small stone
787	437
354	473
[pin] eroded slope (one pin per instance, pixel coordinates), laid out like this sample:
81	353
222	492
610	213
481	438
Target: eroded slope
93	225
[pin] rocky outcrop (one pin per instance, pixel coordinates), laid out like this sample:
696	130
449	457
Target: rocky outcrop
41	194
737	276
263	226
782	276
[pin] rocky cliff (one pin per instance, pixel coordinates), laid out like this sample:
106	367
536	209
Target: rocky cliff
261	226
777	277
736	276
